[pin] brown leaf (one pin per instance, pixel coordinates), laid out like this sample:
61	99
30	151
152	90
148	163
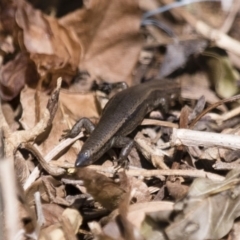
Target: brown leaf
138	211
78	105
50	67
51	213
10	115
104	190
7	12
141	192
70	221
6	44
74	218
33	104
54	48
15	74
44	35
20	167
49	188
109	33
27	216
177	190
235	233
196	85
29	119
212	202
121	227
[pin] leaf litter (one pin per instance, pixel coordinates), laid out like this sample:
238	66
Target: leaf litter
57	66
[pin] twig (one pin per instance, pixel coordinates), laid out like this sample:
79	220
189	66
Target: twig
231	99
152	153
71	181
173	5
230	114
61	146
207	139
8	192
159	123
110	171
41	219
231	16
221	39
157	172
52	170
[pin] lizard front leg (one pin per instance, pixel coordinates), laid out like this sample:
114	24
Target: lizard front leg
82	123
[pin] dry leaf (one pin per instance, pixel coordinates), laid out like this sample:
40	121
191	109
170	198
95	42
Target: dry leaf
177	190
14	75
140	190
10	115
54	48
109	33
6	44
138	211
50	190
106	191
21	167
201	206
150	229
29	117
121	227
66	229
195	86
27	216
74	217
222	75
178	54
51	213
77	105
235	233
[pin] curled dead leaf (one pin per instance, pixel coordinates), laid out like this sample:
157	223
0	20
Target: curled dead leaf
15	74
107	192
54	48
109	33
70	222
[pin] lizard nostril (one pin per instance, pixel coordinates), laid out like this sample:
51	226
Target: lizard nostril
82	159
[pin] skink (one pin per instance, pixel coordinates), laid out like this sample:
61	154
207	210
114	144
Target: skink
121	115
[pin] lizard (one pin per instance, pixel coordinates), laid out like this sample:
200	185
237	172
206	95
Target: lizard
121	115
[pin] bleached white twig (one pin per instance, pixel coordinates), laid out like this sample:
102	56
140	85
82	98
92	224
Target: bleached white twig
207	139
8	191
41	218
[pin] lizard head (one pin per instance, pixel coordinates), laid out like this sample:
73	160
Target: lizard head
91	151
89	155
83	159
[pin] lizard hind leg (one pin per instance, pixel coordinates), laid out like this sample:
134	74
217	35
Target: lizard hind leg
126	144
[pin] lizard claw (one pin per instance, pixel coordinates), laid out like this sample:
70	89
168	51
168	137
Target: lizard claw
121	163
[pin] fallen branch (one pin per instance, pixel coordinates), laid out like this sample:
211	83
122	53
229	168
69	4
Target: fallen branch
192	138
